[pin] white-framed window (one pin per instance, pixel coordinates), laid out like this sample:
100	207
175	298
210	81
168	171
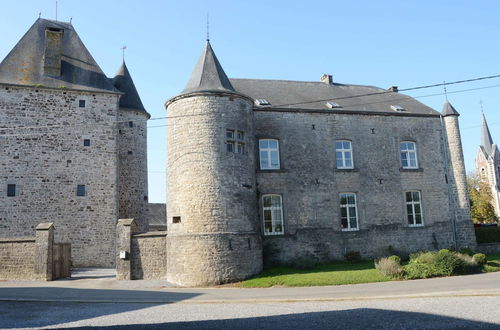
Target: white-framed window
269	154
343	154
408	154
414	208
348	212
272	211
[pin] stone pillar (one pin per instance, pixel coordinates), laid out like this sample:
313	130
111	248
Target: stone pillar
125	228
44	241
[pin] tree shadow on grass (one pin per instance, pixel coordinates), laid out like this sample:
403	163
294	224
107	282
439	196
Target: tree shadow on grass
362	318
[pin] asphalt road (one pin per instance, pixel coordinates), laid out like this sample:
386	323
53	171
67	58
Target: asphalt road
96	299
407	313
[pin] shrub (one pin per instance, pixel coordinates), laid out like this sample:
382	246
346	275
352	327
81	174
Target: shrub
479	259
353	256
395	258
441	263
389	266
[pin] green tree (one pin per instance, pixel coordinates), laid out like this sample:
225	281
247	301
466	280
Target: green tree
482	210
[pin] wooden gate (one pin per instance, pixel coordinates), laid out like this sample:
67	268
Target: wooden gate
61	260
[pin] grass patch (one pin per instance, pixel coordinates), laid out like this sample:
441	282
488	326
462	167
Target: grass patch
328	274
492	263
337	273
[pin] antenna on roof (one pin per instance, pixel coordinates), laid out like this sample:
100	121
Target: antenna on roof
123	52
56	10
208	29
445	91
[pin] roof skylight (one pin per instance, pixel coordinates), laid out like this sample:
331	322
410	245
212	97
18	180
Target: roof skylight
397	108
333	105
262	102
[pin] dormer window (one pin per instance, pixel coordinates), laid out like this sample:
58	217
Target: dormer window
262	102
333	105
397	108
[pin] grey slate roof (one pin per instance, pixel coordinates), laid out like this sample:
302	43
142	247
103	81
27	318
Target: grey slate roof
305	95
24	64
208	74
124	83
449	110
486	140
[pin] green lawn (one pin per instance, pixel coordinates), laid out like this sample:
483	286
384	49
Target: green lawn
492	264
333	274
330	274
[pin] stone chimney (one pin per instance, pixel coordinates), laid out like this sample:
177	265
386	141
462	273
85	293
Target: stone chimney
393	89
53	52
327	79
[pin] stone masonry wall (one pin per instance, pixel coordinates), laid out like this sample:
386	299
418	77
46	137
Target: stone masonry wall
213	192
132	155
149	256
42	151
17	258
310	184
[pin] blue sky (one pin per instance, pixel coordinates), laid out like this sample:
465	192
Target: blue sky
380	43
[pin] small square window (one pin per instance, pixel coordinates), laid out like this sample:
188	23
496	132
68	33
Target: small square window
81	103
240	135
80	190
230	146
176	219
129	152
130	124
230	134
11	190
86	142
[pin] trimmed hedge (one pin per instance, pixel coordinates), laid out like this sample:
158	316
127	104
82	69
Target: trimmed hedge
487	234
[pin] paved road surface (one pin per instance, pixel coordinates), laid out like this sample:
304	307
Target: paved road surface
100	301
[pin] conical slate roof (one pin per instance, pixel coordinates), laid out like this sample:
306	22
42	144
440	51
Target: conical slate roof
124	83
24	65
208	74
449	110
486	140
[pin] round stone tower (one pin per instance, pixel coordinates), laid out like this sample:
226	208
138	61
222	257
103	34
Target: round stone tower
132	151
464	230
211	188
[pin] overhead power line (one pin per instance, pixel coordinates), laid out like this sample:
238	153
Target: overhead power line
115	123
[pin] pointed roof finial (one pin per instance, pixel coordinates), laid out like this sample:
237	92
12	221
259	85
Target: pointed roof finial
56	10
39	14
208	28
123	52
445	91
481	104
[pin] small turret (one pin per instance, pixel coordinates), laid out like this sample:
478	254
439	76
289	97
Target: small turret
464	231
132	151
213	233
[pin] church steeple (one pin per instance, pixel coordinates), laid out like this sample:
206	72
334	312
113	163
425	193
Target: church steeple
486	140
208	74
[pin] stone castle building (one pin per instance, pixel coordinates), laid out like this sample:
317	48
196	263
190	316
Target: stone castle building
72	144
258	170
305	170
488	165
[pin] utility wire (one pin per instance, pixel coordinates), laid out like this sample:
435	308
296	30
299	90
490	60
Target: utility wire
109	125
